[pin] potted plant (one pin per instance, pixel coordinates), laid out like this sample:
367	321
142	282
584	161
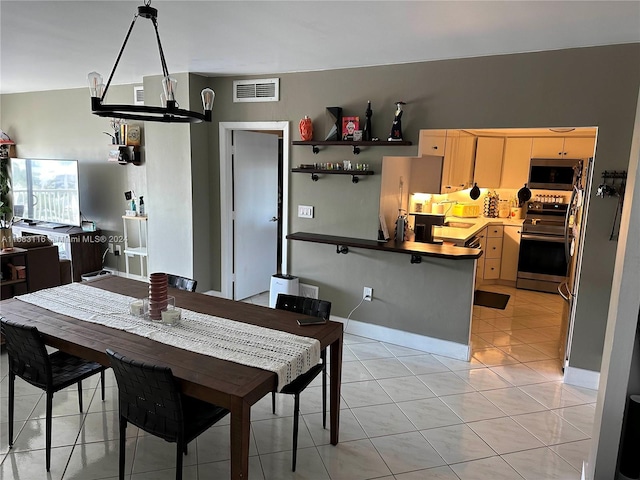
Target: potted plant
6	204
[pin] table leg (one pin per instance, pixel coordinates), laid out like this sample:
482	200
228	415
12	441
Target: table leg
334	395
240	431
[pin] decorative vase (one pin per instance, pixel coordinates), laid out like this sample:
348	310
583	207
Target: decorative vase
158	284
6	237
306	129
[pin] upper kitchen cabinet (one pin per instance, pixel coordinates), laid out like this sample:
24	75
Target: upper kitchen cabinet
432	142
563	147
488	163
459	155
426	174
515	166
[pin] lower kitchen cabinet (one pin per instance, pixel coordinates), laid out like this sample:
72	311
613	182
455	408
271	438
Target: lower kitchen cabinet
510	251
491	244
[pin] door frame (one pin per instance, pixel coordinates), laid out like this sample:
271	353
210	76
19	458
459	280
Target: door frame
226	196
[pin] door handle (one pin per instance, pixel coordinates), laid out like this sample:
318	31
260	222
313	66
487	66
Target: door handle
274	219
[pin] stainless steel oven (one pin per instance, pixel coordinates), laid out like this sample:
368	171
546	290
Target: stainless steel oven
542	264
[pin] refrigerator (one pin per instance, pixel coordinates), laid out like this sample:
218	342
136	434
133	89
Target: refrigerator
574	231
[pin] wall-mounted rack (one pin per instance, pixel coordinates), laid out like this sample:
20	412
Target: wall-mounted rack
316	144
355	174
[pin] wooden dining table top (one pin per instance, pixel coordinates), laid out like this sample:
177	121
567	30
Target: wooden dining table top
201	376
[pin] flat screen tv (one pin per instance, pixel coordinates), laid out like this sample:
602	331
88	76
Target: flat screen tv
46	191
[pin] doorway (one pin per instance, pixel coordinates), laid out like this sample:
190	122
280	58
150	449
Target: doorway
246	270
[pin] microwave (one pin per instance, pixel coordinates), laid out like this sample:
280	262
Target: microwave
553	173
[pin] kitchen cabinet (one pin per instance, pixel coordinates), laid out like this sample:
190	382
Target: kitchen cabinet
515	164
432	142
563	147
510	251
488	162
488	267
459	154
426	174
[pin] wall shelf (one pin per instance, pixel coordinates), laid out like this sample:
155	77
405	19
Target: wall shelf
125	154
355	174
316	144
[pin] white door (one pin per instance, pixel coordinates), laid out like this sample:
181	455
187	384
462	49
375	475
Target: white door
255	205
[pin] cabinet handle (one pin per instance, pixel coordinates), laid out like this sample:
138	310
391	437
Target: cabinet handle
435	147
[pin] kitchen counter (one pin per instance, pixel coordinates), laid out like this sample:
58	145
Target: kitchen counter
413	248
458	236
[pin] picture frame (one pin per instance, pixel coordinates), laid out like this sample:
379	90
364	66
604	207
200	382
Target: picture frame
357	135
349	125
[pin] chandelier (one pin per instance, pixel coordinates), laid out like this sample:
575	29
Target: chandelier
169	112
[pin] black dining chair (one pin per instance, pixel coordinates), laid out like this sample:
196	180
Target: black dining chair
150	399
315	308
181	283
29	360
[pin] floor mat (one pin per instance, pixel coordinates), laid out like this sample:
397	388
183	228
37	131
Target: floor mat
490	299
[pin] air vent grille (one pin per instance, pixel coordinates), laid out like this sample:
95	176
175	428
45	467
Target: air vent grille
138	95
259	90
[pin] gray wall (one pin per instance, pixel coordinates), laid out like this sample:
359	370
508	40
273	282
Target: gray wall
578	87
60	125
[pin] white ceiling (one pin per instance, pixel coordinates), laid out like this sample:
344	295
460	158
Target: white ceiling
47	45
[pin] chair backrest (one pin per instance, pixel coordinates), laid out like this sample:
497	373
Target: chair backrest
304	305
149	396
182	283
28	357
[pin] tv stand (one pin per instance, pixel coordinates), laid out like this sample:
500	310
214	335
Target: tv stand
84	249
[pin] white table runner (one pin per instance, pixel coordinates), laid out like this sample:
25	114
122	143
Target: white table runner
285	354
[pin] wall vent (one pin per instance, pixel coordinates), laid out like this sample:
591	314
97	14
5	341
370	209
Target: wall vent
309	291
257	90
138	95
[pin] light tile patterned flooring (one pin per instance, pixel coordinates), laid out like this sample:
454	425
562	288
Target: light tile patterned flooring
406	415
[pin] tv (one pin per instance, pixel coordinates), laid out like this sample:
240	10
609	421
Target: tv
46	191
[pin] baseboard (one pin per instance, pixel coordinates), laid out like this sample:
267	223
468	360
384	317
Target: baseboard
581	378
214	293
423	343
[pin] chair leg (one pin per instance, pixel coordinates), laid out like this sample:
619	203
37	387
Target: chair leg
273	402
296	414
48	429
323	355
102	383
123	441
179	451
80	395
12	380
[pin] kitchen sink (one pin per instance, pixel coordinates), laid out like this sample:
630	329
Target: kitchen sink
458	224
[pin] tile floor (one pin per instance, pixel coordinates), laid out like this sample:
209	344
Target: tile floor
406	415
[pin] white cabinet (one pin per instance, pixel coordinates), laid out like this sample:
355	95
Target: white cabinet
563	147
489	263
488	162
426	174
457	169
135	244
510	251
515	165
432	142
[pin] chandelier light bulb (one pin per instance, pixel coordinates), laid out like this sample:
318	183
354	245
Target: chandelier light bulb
169	85
208	96
96	85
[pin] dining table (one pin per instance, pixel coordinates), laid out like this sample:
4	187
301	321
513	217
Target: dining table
225	383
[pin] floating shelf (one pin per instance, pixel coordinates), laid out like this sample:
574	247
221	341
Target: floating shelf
316	144
355	174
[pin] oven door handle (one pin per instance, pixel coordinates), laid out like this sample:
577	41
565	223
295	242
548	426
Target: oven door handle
542	238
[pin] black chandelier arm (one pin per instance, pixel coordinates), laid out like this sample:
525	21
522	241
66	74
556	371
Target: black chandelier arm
149	113
165	70
124	44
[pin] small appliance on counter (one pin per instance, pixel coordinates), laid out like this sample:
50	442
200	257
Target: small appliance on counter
465	210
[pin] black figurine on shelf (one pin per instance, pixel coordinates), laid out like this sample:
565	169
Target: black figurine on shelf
396	127
366	132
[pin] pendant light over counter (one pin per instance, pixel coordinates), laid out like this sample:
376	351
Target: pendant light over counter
169	111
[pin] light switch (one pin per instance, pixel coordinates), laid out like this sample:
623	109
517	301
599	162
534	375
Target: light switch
305	211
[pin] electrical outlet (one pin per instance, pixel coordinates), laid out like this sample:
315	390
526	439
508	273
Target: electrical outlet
367	294
118	250
305	211
111	248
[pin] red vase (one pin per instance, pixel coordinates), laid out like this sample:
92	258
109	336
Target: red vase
158	284
306	129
